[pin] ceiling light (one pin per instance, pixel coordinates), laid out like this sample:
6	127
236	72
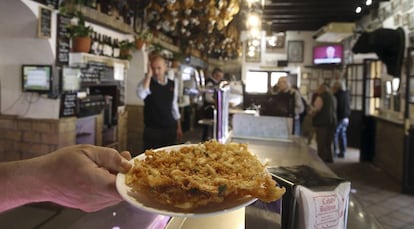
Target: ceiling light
358	10
254	32
251	53
253	20
255	42
368	2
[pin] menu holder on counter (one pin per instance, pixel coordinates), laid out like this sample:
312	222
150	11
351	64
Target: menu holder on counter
68	106
312	199
45	22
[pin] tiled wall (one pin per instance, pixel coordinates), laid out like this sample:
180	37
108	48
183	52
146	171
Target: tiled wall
22	138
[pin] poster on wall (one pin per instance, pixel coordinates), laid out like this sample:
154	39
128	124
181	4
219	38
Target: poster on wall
295	51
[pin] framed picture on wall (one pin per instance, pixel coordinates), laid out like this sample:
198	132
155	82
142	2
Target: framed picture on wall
295	51
44	25
253	53
275	42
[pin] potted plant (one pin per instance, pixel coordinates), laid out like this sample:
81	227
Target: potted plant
80	33
126	47
144	37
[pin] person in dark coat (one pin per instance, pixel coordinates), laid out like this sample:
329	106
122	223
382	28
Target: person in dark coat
324	122
343	111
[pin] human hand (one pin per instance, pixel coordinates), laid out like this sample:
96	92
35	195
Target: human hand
149	73
83	176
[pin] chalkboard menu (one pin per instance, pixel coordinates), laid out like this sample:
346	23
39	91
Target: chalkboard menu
68	106
45	22
62	40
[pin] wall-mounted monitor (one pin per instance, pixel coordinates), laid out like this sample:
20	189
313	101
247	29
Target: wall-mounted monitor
70	79
37	78
328	54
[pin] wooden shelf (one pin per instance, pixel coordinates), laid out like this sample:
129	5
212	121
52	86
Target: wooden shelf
82	58
99	18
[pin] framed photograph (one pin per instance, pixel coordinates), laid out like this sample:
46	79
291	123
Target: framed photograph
253	54
295	51
275	42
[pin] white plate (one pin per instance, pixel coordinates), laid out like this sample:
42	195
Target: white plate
146	203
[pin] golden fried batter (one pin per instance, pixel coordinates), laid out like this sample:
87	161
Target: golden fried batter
197	175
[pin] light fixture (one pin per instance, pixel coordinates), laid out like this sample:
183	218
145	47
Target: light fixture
254	32
368	2
253	20
358	10
256	42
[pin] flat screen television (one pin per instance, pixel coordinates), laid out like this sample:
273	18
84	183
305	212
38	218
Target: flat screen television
328	54
70	79
37	78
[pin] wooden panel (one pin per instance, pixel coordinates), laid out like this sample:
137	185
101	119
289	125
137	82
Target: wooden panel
389	145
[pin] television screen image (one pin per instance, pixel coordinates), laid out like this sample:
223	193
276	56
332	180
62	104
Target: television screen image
37	78
328	54
70	79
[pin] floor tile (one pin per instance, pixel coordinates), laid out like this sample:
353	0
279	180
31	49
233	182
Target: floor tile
378	211
408	226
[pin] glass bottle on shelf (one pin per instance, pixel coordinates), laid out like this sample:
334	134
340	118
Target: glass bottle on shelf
92	4
117	50
110	47
95	44
100	45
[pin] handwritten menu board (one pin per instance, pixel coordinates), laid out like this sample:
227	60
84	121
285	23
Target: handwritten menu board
45	22
68	106
62	40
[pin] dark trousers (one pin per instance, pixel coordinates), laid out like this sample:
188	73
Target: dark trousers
156	138
324	138
340	140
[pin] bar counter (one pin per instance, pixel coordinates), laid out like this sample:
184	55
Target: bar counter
275	153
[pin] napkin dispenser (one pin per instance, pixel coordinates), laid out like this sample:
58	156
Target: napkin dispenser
312	199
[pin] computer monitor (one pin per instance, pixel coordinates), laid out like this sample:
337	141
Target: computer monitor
37	78
70	79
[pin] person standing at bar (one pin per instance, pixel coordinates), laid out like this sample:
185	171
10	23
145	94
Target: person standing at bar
161	113
286	93
209	104
343	111
324	122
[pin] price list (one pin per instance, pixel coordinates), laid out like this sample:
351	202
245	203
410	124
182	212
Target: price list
68	105
62	40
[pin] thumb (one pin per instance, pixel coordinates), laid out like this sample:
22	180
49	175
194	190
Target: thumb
109	159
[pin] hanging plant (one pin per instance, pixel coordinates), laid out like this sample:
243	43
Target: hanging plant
144	37
126	47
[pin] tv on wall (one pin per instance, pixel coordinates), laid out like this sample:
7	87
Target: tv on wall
37	78
328	54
